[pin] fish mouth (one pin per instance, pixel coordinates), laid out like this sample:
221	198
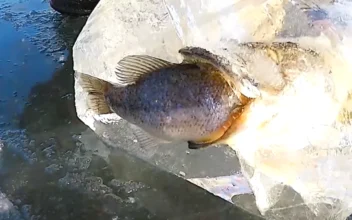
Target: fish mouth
192	50
185	51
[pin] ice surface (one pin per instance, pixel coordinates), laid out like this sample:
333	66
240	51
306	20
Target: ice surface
46	29
296	165
10	211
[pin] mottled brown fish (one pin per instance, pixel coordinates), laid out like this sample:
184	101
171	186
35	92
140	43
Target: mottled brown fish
192	101
282	135
292	77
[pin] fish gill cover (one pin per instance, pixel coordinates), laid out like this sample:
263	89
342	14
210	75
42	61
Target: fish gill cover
292	141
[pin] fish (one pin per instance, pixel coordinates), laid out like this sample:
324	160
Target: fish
271	67
193	101
285	133
267	68
281	135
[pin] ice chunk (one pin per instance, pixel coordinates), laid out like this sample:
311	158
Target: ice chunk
305	148
301	139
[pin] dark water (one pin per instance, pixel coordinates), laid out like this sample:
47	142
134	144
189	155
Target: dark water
51	165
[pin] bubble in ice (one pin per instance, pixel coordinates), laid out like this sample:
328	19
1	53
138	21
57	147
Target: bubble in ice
31	143
70	181
93	180
79	144
8	211
17	142
53	168
48	152
112	203
89	185
62	59
5	204
115	183
48	148
105	189
131	200
126	186
79	163
17	202
26	211
182	173
76	137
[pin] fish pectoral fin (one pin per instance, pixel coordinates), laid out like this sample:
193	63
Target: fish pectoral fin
196	146
132	67
96	89
248	89
146	140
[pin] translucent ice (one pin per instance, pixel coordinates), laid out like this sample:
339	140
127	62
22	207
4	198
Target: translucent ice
8	210
307	150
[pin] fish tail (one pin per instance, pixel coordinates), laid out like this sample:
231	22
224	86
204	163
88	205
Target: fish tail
96	89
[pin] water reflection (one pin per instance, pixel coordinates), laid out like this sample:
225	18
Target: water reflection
18	60
51	104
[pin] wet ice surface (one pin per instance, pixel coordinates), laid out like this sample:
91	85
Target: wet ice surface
51	165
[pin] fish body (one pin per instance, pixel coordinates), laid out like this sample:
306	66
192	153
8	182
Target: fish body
276	68
282	135
180	102
166	102
200	100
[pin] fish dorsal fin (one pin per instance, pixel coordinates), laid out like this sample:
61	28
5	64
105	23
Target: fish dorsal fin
132	67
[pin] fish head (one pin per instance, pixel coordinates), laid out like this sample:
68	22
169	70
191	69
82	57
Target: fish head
201	55
243	83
